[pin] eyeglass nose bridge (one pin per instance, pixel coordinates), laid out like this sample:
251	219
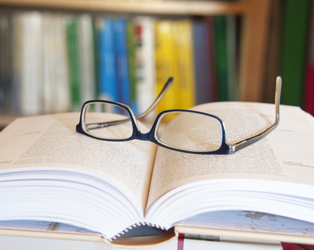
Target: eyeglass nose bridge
144	136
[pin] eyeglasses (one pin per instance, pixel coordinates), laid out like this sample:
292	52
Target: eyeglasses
113	121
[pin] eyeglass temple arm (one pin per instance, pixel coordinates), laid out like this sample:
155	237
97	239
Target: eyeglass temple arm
158	99
249	141
145	113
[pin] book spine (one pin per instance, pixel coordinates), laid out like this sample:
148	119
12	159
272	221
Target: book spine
293	49
73	62
30	91
134	226
209	23
16	51
166	53
63	95
231	58
220	27
185	61
4	63
131	42
201	62
309	83
48	55
86	43
122	68
107	62
145	64
96	55
271	68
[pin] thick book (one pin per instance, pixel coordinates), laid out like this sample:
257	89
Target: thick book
49	172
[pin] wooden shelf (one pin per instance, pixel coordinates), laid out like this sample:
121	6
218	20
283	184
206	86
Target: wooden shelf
136	6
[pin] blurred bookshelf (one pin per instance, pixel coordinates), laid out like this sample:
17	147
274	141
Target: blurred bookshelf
250	54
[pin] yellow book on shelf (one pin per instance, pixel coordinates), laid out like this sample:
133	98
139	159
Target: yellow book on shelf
186	76
166	65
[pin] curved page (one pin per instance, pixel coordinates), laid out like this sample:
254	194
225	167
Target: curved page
46	159
281	164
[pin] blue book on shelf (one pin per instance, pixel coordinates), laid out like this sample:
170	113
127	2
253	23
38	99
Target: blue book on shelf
122	67
107	61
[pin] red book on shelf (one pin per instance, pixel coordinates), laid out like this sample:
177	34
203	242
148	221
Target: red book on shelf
309	90
309	78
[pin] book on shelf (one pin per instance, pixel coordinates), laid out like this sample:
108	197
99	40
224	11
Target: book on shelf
61	77
74	58
309	77
31	64
131	56
232	69
271	68
86	46
166	62
5	62
78	57
221	57
49	172
293	50
183	31
122	65
202	62
107	61
145	63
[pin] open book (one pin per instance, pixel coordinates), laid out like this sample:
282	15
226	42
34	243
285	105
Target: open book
48	172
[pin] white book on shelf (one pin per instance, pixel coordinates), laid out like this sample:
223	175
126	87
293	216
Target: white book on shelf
61	77
48	83
31	66
145	63
86	45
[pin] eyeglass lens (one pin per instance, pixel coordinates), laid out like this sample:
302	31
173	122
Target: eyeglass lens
190	131
100	121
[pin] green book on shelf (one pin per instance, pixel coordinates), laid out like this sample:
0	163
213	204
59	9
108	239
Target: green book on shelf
96	55
132	62
220	34
293	50
74	62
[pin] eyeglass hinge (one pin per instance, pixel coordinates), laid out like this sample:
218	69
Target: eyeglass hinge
231	149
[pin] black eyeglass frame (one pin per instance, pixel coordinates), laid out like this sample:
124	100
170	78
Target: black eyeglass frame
225	147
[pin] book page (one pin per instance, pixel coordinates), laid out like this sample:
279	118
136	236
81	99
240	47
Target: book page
51	141
284	155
